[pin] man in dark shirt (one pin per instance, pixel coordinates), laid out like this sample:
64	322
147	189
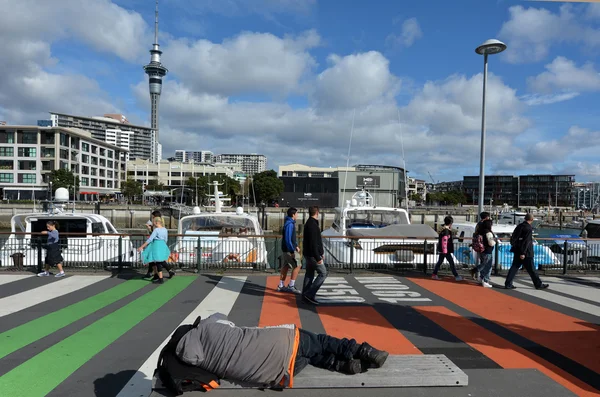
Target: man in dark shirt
313	255
522	248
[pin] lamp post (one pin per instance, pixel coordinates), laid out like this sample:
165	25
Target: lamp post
489	47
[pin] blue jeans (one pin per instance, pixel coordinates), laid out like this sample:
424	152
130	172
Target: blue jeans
322	351
310	287
485	266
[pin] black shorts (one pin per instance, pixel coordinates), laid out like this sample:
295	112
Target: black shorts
53	255
159	266
288	259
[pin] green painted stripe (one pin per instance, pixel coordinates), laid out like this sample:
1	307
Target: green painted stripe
42	373
16	338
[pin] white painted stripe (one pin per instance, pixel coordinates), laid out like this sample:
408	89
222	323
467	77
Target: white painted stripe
546	295
14	303
573	289
220	300
9	278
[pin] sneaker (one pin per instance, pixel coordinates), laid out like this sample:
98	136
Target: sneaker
282	289
158	281
171	274
43	274
458	278
350	367
486	284
293	290
148	275
473	272
371	355
510	287
61	274
435	277
543	286
310	300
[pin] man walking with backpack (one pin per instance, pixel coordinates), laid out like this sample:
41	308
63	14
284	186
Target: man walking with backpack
522	248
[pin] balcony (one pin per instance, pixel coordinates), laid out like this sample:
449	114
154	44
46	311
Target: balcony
48	153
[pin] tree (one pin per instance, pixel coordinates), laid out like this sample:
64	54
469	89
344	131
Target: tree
267	186
416	197
64	178
131	188
155	186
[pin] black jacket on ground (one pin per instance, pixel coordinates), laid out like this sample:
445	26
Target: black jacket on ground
313	244
524	240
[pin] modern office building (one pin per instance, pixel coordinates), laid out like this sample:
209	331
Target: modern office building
301	170
498	189
387	184
141	143
251	163
29	153
201	156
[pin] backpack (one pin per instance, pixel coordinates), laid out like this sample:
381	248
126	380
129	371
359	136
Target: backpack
478	243
178	376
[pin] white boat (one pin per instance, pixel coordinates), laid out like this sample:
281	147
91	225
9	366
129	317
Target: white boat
510	217
78	249
377	237
215	238
463	233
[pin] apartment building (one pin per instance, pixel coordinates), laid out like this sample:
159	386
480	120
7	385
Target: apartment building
250	163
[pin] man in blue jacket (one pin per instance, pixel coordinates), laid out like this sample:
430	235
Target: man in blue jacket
289	247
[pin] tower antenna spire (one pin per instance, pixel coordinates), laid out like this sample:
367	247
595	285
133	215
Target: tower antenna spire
156	24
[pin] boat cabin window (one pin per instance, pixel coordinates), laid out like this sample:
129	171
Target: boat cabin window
64	225
461	237
593	230
218	224
110	228
98	228
375	218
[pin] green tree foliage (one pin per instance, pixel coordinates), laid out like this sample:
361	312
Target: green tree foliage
415	197
63	178
155	186
447	198
267	186
131	188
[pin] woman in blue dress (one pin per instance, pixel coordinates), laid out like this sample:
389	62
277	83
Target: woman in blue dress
155	249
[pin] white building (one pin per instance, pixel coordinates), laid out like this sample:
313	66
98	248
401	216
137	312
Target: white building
417	186
175	173
29	153
250	163
301	170
201	156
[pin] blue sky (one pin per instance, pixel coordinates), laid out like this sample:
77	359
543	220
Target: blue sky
287	77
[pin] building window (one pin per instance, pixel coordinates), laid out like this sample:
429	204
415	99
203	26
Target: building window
27	137
7	152
85	169
85	182
27	152
64	139
94	149
74	168
109	174
7	137
94	182
6	165
109	184
64	165
85	147
64	154
102	163
85	158
102	172
94	173
74	143
48	138
109	164
110	154
102	152
102	183
7	178
47	165
94	160
48	152
27	165
26	178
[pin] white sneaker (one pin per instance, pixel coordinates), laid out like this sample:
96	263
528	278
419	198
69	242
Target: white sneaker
435	277
458	278
486	285
61	274
43	274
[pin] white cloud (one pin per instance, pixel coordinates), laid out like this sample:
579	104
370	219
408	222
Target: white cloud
249	62
537	99
531	32
355	80
563	74
411	32
556	151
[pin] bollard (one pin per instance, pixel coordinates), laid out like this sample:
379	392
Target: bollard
275	262
199	255
565	257
39	254
496	258
351	256
425	256
120	253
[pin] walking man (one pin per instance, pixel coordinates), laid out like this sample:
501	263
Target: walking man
289	246
484	216
522	248
313	255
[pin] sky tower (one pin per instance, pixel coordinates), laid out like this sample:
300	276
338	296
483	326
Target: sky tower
155	71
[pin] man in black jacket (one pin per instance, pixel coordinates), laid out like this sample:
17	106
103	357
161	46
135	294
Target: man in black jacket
313	255
522	248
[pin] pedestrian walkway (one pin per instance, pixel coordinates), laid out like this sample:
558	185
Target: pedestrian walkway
100	336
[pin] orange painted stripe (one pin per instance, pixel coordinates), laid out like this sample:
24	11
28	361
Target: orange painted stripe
365	324
278	307
569	336
503	352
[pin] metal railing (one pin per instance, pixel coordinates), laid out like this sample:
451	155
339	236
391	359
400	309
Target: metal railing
197	253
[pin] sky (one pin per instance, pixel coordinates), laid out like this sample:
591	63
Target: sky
323	82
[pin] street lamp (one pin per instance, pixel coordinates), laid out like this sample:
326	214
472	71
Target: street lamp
489	47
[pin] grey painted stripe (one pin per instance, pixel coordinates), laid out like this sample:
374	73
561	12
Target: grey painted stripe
309	317
110	370
558	299
567	289
246	309
24	316
20	356
25	284
10	278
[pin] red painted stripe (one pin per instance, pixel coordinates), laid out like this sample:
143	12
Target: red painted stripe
278	307
365	324
503	352
569	336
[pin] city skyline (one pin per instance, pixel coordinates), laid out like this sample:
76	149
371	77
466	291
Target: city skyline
290	79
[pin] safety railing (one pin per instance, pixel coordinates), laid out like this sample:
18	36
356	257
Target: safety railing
197	253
